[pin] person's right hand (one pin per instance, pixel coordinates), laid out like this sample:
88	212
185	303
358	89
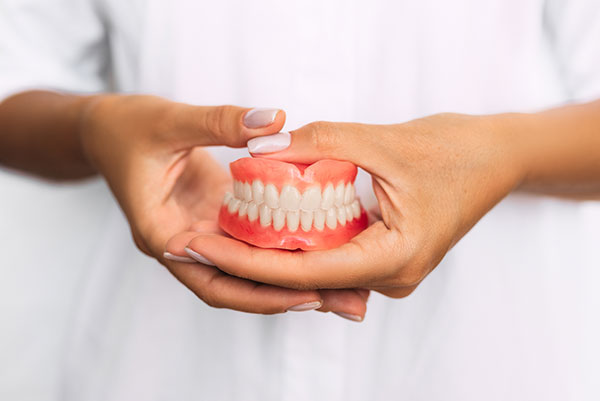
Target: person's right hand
149	150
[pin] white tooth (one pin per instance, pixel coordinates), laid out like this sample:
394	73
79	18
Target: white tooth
258	191
265	215
349	213
311	199
243	209
341	215
306	219
271	196
331	219
238	190
356	209
293	219
252	211
247	189
278	219
328	197
227	198
319	219
339	194
349	193
290	198
234	205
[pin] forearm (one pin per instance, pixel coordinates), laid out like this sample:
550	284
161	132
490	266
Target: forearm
39	134
559	149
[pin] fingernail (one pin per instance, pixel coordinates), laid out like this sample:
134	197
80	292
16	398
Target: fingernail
260	117
354	318
305	307
269	143
175	258
199	258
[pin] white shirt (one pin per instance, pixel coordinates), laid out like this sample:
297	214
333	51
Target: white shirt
510	314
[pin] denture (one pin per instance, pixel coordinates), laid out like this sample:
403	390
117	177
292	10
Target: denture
283	205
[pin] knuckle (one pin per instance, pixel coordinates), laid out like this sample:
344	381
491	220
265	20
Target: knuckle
323	135
211	299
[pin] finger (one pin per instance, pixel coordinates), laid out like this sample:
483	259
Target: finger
347	303
320	140
233	126
220	290
401	292
362	262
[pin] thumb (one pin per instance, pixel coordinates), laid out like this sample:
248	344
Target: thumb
232	126
313	142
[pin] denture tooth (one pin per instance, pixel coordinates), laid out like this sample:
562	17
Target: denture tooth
356	209
271	196
349	193
252	211
228	196
238	190
278	219
319	219
349	213
311	199
306	219
243	209
247	189
258	191
265	215
290	198
341	215
328	197
293	219
339	194
234	205
331	219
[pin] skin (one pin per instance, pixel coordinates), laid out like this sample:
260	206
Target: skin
150	152
434	179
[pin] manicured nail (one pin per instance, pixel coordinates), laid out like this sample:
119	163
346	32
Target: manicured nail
306	307
269	143
260	117
354	318
199	258
175	258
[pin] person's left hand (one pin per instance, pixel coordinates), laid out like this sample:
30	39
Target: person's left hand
434	178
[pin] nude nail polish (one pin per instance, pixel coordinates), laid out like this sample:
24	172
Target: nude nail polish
176	258
199	258
260	117
269	143
354	318
305	307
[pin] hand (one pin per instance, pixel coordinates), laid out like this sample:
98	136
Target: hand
434	178
150	152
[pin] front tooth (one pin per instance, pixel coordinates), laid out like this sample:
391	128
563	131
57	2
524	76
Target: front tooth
290	198
356	209
243	209
278	219
258	191
341	215
238	190
328	197
234	205
293	219
349	193
265	215
306	219
271	196
311	199
252	211
331	219
349	213
339	194
319	220
227	198
247	189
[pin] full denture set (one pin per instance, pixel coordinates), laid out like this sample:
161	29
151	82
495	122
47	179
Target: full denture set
284	205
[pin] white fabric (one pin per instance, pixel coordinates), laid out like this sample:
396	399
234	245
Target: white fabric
510	314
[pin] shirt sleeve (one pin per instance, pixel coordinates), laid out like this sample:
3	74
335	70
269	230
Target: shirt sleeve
52	44
573	28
